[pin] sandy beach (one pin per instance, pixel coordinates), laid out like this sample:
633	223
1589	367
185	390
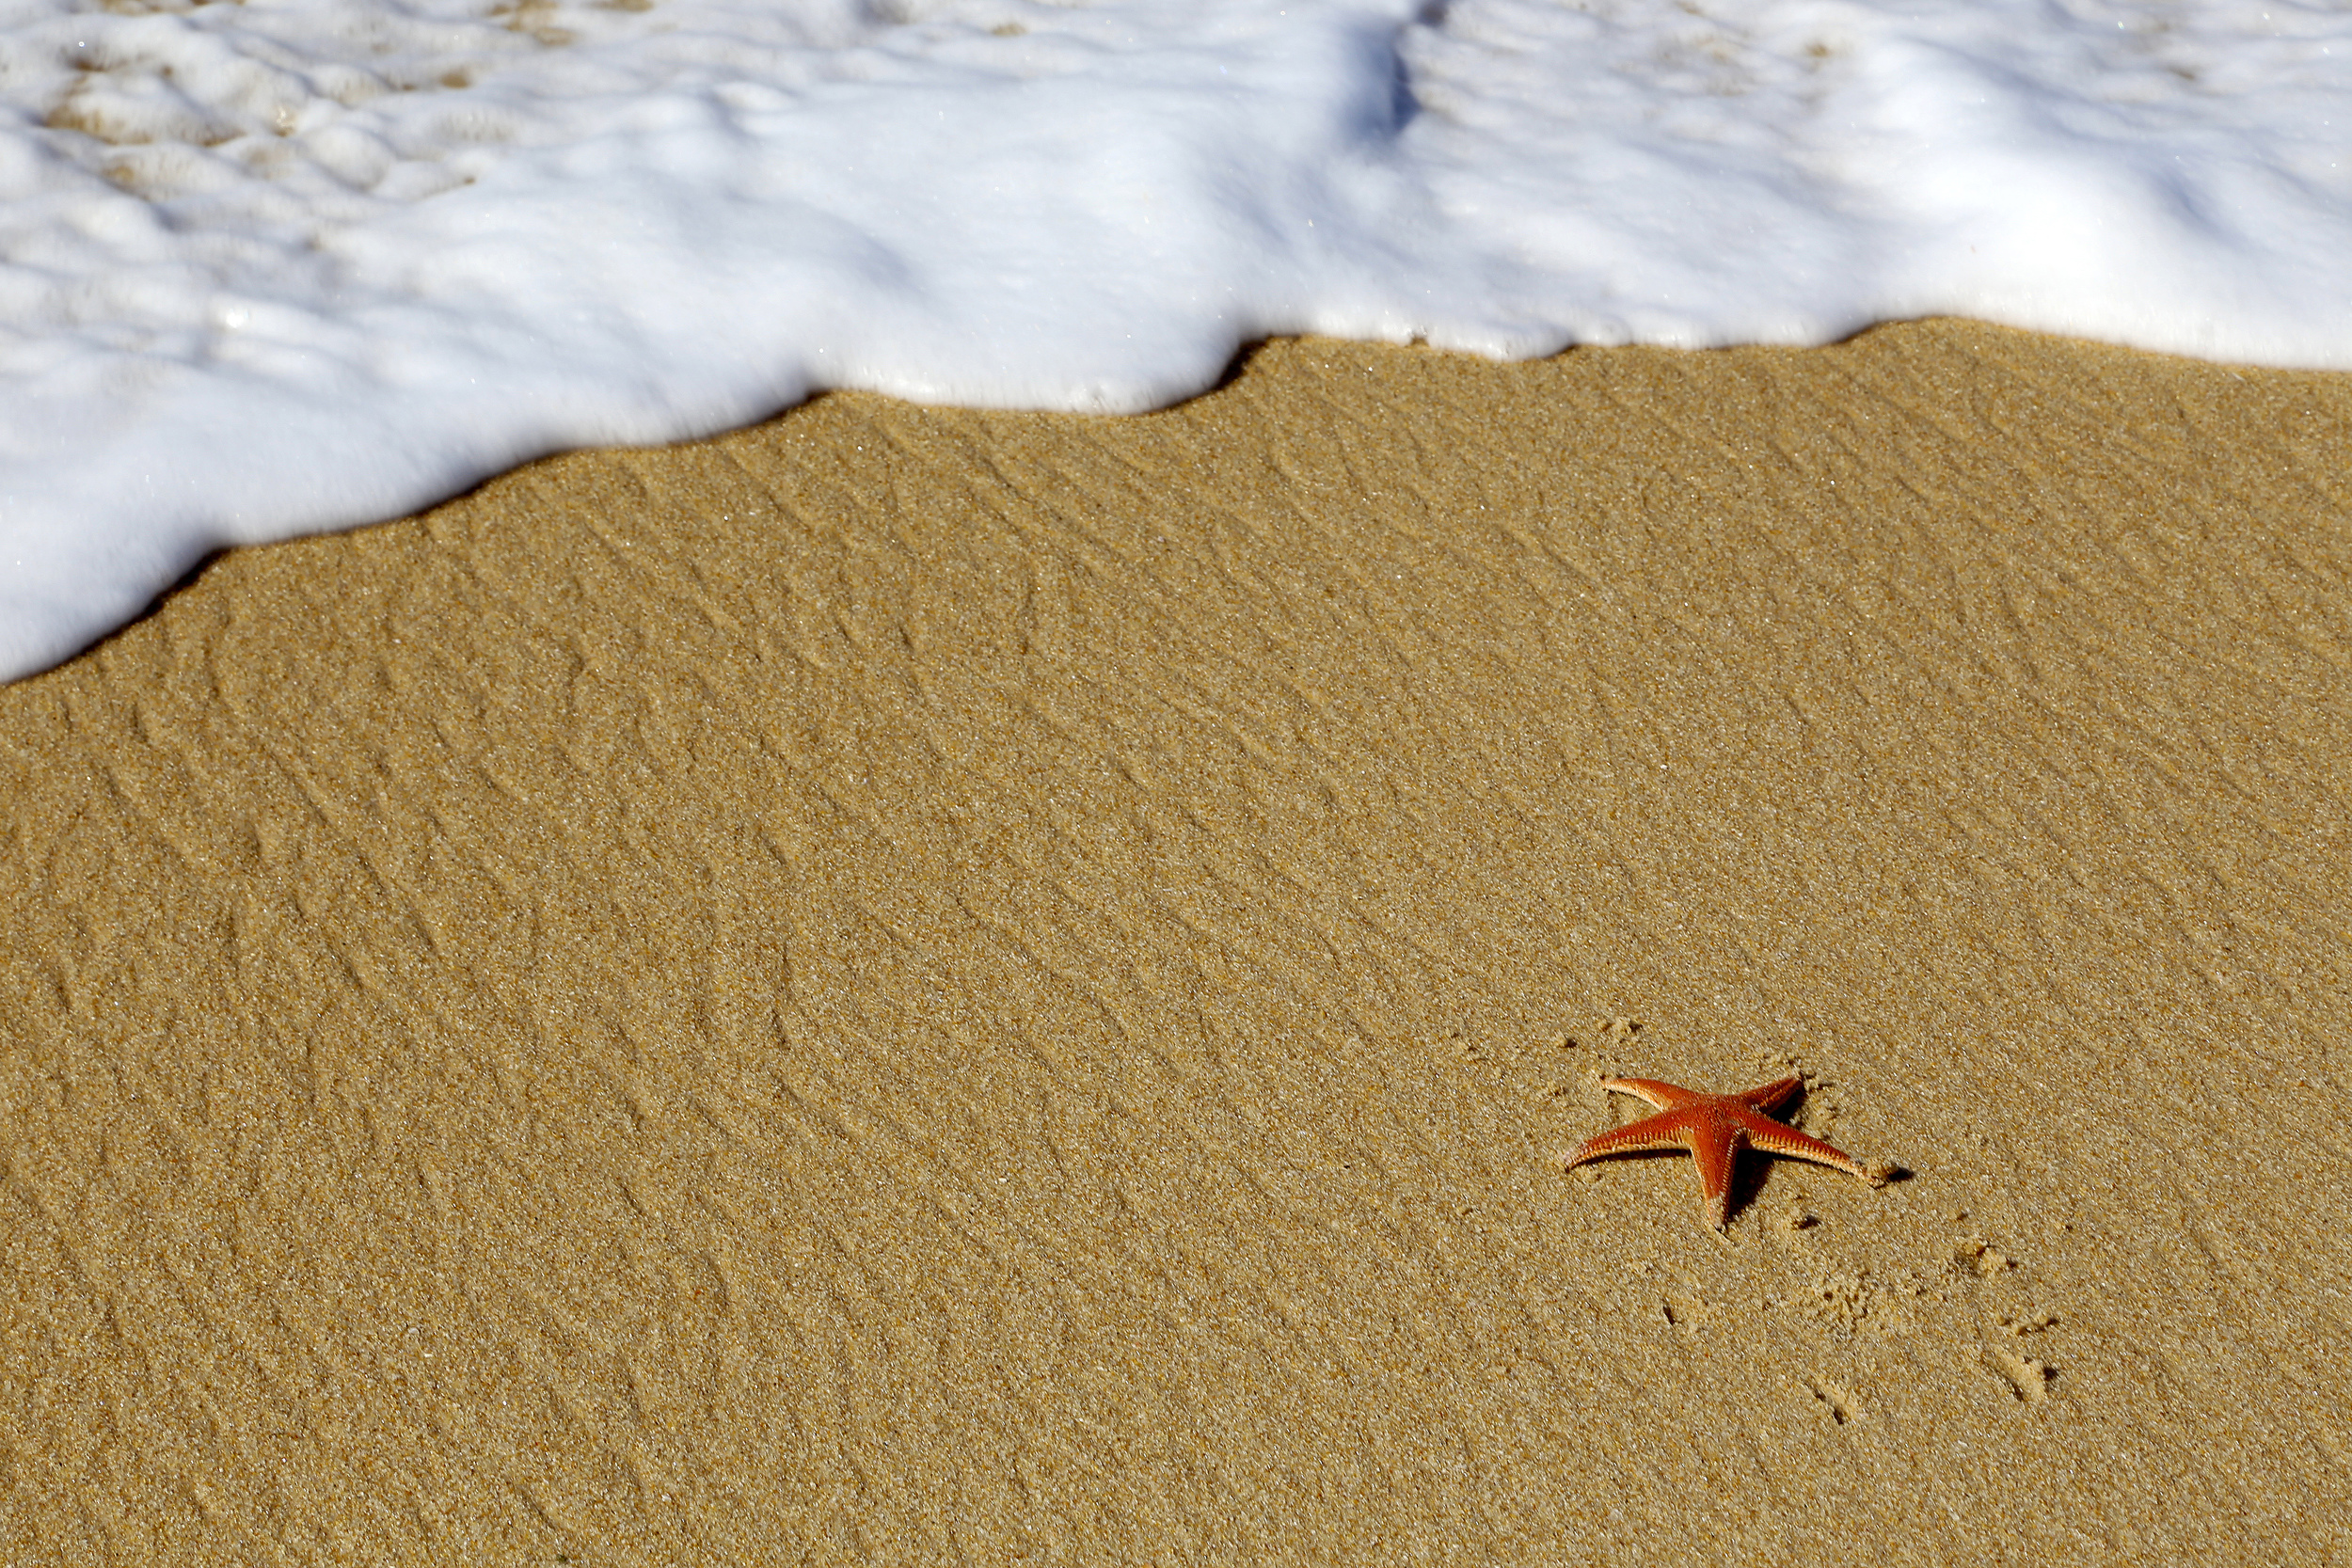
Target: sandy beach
912	984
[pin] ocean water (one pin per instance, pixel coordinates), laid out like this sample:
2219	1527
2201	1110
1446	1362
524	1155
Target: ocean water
274	266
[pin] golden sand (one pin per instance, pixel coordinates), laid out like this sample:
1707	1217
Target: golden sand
913	984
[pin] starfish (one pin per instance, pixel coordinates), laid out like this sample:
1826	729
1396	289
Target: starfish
1715	1128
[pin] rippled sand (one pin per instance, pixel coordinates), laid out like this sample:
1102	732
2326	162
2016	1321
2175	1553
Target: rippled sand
909	983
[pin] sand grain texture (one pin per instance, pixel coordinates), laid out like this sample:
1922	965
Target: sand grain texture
916	984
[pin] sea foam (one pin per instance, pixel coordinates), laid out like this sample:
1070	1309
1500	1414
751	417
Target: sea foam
284	265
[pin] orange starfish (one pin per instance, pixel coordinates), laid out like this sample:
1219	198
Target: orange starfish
1715	1128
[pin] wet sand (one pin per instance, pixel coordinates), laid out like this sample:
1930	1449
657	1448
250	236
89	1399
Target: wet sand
910	984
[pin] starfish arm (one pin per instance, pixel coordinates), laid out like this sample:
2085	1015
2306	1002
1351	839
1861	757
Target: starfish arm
1772	1095
1662	1131
1773	1138
1666	1097
1715	1149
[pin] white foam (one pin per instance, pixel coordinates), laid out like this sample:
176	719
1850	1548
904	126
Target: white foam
285	265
